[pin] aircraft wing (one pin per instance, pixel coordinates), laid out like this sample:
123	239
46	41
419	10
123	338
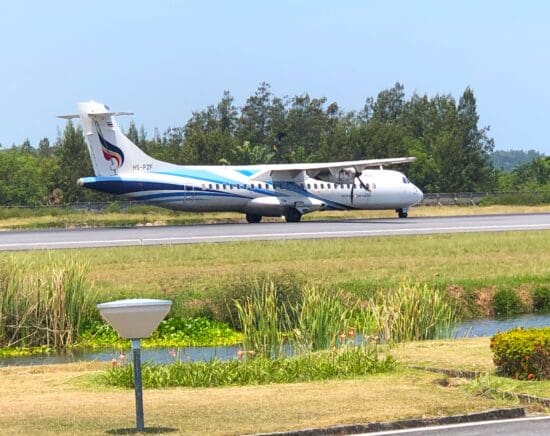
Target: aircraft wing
315	168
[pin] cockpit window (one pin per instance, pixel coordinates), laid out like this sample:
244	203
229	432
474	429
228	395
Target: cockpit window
405	180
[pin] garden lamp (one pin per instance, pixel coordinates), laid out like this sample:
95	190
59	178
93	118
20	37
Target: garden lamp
135	319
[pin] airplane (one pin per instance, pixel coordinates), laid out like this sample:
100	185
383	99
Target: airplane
271	190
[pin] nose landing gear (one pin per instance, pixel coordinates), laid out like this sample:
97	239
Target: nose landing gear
402	213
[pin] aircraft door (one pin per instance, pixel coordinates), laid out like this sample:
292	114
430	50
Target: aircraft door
189	193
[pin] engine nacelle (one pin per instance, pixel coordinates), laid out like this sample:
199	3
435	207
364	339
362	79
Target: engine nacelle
342	175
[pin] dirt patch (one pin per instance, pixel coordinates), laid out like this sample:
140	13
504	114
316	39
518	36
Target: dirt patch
484	300
526	296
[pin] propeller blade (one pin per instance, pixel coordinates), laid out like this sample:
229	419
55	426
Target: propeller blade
352	186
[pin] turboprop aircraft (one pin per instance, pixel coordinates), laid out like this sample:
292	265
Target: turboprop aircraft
288	190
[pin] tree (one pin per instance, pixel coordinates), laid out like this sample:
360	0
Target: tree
74	163
44	149
132	133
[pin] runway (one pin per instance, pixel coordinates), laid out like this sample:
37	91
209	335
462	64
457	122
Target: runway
192	234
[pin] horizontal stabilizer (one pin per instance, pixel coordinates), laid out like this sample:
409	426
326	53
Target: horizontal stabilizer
95	114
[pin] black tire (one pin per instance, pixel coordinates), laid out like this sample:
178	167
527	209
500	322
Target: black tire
402	214
293	216
253	218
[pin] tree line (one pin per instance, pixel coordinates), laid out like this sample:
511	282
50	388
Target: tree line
453	152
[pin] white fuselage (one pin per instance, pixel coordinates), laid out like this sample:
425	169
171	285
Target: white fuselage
219	188
292	190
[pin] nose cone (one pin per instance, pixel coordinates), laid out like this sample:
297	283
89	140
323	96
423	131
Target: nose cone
418	194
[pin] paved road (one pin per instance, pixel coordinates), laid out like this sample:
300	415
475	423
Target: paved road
190	234
538	426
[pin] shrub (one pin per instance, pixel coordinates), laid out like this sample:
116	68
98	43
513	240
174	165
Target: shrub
523	354
506	302
541	299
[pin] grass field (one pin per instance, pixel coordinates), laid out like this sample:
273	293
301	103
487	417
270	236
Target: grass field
65	399
149	215
194	274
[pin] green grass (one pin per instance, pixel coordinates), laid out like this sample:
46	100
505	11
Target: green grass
495	386
194	276
340	363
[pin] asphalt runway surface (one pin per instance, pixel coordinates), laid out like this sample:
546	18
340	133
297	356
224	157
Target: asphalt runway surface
192	234
535	426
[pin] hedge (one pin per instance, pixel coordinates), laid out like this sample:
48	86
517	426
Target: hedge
523	354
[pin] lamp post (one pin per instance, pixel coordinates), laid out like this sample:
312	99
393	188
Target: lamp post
135	319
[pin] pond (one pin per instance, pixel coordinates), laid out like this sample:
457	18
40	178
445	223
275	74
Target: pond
471	328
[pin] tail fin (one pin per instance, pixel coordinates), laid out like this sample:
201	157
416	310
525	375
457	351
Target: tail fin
111	151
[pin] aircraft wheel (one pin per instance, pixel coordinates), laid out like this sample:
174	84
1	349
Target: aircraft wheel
293	216
253	218
402	214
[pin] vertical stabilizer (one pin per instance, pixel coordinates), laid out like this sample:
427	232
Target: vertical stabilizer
112	153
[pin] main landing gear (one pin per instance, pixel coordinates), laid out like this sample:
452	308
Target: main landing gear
293	216
253	218
402	213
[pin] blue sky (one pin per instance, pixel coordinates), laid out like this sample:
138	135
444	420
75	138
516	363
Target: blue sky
165	59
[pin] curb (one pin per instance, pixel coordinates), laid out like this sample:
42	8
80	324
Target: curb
450	372
488	415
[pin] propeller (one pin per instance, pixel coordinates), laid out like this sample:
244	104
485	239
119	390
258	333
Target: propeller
357	176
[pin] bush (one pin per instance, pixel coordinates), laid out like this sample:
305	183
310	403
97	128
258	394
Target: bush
541	299
523	354
506	302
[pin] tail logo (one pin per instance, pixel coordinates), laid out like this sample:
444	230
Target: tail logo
110	151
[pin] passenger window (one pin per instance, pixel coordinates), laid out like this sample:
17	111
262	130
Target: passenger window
308	186
217	186
210	186
231	186
322	186
315	186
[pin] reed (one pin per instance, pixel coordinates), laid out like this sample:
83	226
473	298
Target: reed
263	319
44	306
412	312
321	317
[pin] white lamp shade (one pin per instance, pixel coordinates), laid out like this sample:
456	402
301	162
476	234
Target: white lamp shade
134	318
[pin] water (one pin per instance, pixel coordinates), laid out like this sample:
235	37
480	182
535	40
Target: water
471	328
157	355
489	326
